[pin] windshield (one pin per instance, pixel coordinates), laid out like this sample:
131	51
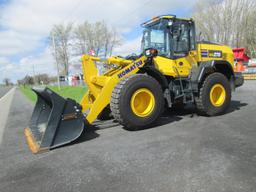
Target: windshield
156	36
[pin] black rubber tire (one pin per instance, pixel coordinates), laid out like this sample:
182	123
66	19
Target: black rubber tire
121	96
203	102
105	114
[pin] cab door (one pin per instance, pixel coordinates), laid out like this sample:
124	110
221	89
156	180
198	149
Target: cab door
183	46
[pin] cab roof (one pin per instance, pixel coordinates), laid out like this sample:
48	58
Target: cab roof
155	19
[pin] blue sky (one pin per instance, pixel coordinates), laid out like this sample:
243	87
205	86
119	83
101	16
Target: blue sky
25	25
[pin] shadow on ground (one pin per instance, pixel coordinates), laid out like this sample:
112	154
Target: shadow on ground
168	117
236	106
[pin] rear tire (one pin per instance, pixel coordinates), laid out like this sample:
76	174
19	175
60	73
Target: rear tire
137	101
214	96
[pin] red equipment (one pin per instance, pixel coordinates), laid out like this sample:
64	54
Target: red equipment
240	58
240	54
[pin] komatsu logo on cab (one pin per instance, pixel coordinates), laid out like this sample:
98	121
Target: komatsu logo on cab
129	69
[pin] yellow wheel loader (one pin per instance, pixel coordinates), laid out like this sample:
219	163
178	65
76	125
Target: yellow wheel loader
173	68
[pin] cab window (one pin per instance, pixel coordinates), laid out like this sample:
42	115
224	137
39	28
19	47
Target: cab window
181	39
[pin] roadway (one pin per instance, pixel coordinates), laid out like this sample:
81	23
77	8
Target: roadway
4	90
6	95
185	152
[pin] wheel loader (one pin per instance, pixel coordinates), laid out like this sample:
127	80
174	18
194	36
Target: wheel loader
172	68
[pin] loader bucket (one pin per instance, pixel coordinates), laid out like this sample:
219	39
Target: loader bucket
55	121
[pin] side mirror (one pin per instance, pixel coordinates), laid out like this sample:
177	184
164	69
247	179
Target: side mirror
151	52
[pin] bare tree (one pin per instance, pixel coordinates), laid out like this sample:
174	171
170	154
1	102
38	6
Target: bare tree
61	35
111	41
27	80
20	82
96	36
229	22
39	79
83	38
250	34
42	79
7	81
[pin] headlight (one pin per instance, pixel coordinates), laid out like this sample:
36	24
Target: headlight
147	53
151	52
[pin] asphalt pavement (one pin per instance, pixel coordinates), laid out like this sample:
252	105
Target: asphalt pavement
184	152
6	95
4	90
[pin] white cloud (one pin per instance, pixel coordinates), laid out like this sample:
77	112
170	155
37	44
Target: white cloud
24	24
12	43
42	63
128	47
4	61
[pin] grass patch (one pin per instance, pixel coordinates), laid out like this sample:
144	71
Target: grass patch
75	93
28	93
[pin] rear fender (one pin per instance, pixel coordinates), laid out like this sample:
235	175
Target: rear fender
198	74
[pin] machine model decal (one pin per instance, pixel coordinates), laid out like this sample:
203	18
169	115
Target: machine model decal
215	53
211	53
129	69
204	53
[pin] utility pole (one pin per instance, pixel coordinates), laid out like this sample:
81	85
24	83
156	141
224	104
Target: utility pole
56	60
34	74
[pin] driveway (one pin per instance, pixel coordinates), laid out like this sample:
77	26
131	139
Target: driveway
184	152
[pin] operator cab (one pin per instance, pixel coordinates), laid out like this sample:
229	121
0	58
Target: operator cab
172	37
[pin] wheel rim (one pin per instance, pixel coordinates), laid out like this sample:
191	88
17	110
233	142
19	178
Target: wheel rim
142	102
217	95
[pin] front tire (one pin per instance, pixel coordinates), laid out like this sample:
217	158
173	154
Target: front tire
137	101
215	95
